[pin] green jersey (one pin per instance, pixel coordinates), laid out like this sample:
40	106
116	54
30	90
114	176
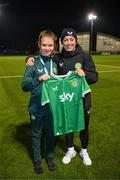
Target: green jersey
65	95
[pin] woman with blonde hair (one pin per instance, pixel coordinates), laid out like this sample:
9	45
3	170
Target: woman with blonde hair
41	115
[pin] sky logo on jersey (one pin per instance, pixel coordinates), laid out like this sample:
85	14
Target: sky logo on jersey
66	97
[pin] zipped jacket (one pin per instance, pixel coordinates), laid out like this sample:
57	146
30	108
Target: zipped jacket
31	82
66	61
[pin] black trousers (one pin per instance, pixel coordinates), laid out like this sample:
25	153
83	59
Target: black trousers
84	134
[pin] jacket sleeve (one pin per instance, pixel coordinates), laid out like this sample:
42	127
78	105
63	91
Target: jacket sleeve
29	81
90	69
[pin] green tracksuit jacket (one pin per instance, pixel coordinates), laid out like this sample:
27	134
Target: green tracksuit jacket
30	82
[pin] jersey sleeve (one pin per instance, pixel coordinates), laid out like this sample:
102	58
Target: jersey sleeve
85	87
45	96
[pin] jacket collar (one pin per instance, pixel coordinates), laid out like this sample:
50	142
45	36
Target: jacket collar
66	54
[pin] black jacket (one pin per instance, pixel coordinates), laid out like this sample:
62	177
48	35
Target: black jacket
66	62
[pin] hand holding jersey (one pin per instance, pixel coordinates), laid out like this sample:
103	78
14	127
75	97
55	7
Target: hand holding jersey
79	71
40	117
44	77
70	59
72	54
65	94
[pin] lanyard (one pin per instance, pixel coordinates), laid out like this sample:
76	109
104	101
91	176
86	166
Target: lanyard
43	64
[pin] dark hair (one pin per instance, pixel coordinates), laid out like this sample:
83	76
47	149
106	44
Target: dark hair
68	32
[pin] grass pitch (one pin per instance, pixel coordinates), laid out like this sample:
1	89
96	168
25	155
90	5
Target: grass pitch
15	129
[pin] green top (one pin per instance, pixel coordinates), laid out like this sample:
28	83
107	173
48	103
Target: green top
30	82
65	95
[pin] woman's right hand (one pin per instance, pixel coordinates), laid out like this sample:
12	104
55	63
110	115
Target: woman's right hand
30	61
44	77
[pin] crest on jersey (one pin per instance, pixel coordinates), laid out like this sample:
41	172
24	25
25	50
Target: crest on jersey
74	83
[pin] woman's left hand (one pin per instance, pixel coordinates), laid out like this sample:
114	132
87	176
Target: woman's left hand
80	72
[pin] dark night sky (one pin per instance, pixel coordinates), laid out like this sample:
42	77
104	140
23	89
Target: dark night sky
21	21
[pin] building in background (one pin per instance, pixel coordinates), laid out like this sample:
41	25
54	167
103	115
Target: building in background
84	40
103	43
107	43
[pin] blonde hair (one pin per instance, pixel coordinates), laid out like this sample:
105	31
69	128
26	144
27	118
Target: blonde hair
47	33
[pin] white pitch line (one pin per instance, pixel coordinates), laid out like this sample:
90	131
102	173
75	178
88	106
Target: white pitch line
6	77
109	71
108	66
20	76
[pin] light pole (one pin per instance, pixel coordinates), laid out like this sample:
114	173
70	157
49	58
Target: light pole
91	18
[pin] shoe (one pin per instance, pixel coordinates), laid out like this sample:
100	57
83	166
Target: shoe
85	156
51	164
68	156
38	167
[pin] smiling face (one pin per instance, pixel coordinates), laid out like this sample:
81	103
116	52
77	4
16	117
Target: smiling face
46	46
69	43
47	42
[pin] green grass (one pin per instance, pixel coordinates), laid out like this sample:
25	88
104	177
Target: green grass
15	130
